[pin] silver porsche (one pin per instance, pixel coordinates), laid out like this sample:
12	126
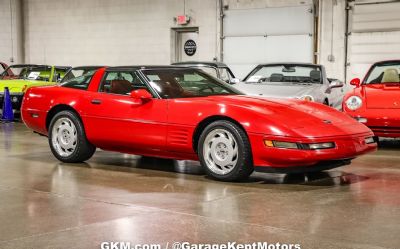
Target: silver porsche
293	80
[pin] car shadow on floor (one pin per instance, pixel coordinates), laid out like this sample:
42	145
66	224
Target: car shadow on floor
325	178
131	163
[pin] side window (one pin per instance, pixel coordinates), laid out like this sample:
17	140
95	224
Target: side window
224	75
120	82
80	82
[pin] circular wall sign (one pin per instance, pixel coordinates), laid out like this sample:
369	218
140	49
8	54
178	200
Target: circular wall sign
190	47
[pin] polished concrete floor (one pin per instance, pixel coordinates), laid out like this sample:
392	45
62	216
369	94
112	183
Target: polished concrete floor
117	197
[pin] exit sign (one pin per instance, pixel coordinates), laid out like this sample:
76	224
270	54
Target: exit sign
182	19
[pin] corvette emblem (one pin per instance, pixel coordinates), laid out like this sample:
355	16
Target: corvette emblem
327	121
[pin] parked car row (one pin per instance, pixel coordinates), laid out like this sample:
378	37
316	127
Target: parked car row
284	80
183	112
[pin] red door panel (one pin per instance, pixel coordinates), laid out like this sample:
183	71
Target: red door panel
118	122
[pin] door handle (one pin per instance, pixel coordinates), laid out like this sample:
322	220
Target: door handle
96	101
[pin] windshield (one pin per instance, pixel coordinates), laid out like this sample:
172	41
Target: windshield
41	73
186	83
285	73
387	72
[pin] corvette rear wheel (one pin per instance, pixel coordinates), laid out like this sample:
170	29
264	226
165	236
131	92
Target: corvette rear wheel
224	151
67	138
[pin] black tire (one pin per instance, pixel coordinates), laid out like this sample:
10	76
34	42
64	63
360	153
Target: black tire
378	141
83	148
326	102
244	163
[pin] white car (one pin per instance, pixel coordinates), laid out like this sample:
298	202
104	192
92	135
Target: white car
293	80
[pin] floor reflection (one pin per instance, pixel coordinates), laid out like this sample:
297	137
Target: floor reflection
120	197
149	163
327	178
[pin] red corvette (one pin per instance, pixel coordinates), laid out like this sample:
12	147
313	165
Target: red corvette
183	113
376	100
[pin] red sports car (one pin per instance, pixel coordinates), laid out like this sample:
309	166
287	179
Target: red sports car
183	113
376	100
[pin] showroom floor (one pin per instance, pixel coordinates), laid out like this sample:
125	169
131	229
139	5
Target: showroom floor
116	197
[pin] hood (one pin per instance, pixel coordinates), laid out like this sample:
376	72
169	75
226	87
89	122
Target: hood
382	96
295	117
19	85
279	90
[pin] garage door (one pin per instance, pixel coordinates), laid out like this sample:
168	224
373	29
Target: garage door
375	35
255	36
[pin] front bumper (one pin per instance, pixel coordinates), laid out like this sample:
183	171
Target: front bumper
383	122
16	100
301	160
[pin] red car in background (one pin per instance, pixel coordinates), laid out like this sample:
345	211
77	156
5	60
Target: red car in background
375	101
183	113
3	67
15	71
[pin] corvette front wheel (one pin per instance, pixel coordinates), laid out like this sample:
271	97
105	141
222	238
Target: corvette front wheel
224	151
67	138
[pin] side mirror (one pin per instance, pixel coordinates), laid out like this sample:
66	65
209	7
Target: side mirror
234	81
335	83
355	82
142	95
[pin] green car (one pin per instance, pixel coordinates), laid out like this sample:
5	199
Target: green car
31	76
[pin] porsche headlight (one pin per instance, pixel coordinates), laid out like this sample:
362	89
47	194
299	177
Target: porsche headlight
353	103
307	98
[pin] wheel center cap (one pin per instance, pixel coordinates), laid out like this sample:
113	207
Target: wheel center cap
221	151
66	136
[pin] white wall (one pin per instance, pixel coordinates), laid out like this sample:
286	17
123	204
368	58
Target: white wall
117	32
11	44
252	4
332	39
121	32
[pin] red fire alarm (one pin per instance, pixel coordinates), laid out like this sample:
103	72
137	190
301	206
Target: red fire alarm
182	19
